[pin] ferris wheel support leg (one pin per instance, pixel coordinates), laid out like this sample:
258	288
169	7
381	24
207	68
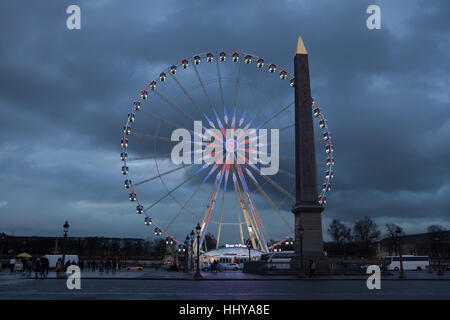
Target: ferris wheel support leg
307	210
247	218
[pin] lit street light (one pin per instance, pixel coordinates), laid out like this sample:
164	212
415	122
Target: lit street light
197	273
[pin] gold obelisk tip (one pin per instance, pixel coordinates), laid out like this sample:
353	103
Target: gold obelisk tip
300	46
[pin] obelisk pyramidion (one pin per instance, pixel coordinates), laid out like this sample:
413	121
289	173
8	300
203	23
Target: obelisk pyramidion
307	209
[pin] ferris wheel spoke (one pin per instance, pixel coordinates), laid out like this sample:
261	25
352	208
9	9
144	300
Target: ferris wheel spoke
173	105
162	174
170	192
150	136
203	87
286	173
154	116
276	185
220	219
238	209
253	89
272	95
220	83
158	156
186	93
287	127
256	217
237	84
184	206
276	114
271	203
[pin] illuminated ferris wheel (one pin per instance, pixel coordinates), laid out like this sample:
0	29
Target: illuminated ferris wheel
211	141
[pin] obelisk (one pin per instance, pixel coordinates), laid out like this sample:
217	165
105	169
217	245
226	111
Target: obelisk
307	209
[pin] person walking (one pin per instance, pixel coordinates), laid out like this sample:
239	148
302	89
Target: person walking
37	267
28	266
312	267
45	266
66	265
81	265
12	264
59	266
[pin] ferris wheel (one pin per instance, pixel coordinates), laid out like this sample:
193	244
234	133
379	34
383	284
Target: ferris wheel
210	140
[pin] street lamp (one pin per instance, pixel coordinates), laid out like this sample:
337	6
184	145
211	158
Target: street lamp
65	229
249	247
301	231
197	273
398	231
186	253
192	250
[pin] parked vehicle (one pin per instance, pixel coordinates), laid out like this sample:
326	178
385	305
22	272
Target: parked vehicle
133	268
232	266
208	267
409	262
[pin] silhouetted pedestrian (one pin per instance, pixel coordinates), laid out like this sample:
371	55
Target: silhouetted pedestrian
45	266
312	267
37	267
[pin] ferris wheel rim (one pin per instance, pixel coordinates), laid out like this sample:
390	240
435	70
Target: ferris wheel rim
322	195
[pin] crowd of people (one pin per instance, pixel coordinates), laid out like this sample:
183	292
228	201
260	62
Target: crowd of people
39	266
107	266
100	266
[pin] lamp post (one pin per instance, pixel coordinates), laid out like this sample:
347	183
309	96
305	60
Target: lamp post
398	231
186	253
192	250
301	231
66	229
249	247
197	273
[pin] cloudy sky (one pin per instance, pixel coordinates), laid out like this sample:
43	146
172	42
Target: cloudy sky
65	94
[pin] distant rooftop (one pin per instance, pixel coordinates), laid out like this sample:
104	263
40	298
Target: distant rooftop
418	237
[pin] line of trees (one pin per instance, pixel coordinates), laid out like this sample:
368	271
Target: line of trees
361	240
356	241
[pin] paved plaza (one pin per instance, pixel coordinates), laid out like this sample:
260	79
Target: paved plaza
160	284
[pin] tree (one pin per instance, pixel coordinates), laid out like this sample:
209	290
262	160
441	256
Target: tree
159	247
210	241
340	233
436	235
391	230
365	232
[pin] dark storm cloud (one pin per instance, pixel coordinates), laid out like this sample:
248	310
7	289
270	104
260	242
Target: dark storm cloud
64	95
